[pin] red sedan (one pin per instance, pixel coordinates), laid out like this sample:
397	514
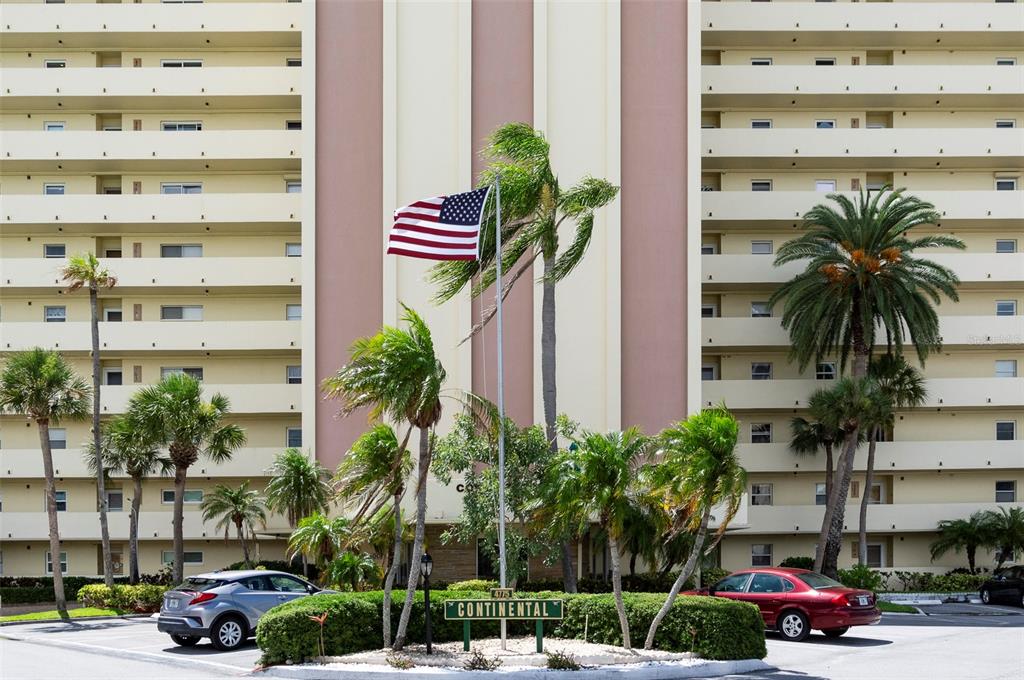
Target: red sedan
794	601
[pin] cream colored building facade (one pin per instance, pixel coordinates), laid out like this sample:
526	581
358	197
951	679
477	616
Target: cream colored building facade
803	98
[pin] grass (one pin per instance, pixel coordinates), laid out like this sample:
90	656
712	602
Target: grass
53	616
893	608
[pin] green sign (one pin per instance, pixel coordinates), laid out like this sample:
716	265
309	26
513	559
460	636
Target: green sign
484	610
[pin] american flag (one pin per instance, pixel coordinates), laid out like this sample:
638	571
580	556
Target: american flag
439	228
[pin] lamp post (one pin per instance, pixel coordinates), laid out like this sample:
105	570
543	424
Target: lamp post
427	566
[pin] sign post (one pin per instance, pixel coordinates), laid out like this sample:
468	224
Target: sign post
503	608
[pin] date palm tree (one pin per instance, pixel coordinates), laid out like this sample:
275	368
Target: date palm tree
1005	532
174	414
699	471
862	274
125	451
901	386
41	385
320	537
299	486
597	478
240	508
962	534
397	374
373	472
84	271
534	208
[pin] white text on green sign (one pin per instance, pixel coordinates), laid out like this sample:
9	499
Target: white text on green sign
482	610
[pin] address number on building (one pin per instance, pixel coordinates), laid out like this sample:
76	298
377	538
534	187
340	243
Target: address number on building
483	610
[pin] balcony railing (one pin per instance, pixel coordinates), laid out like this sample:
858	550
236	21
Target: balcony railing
32	526
69	463
900	517
163	336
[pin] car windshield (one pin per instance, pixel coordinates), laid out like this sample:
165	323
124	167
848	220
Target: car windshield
817	581
198	585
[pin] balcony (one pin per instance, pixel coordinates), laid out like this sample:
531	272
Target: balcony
995	332
114	25
902	517
788	394
32	526
68	463
766	209
164	336
152	89
732	148
83	213
117	152
894	456
245	398
862	86
250	274
861	26
977	270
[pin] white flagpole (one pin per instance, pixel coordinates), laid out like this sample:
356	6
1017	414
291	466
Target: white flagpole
501	397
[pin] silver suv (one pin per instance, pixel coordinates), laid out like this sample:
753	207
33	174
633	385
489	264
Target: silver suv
226	605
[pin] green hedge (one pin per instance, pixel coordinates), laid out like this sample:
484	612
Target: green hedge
39	589
631	583
712	627
476	584
141	598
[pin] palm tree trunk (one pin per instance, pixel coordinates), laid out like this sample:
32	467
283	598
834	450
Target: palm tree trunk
245	544
828	471
133	532
51	516
862	534
632	564
101	491
178	519
691	564
389	580
830	540
417	544
620	606
970	556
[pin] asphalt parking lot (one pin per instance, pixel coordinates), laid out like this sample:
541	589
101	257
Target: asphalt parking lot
947	642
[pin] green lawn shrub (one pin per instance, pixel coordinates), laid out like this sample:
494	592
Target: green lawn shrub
798	562
476	585
142	599
861	576
925	582
712	627
39	589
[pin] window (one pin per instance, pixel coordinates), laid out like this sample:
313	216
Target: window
761	370
185	250
824	61
761	61
1006	368
1006	246
181	126
181	63
708	249
115	500
113	376
181	313
760	185
293	125
293	375
293	437
1006	61
875	555
826	185
1005	124
708	311
55	314
760	310
191	371
761	554
762	124
1006	430
760	494
736	583
293	61
55	63
1006	492
181	187
1006	184
112	315
293	312
760	433
63	562
819	494
766	583
53	189
293	186
54	250
190	497
293	250
708	372
287	584
1006	308
54	126
876	496
825	370
761	248
189	557
824	125
61	498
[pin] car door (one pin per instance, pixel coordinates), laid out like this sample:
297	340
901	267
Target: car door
731	587
1009	584
288	588
768	592
255	597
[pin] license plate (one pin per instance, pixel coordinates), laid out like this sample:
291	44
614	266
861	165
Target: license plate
172	604
862	601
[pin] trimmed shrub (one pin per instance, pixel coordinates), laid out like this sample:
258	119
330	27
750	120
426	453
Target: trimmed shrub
799	562
631	583
476	585
142	599
861	576
714	628
926	582
712	575
39	589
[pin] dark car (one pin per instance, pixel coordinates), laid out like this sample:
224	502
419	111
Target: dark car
1006	586
795	601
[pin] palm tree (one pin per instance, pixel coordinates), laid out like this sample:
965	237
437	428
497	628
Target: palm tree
85	271
533	208
42	386
860	272
818	432
172	413
351	568
597	479
241	508
1005	532
901	386
299	486
373	472
699	470
962	534
125	451
397	374
320	537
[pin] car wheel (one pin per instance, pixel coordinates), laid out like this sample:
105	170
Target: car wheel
986	596
228	634
185	640
835	632
794	626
